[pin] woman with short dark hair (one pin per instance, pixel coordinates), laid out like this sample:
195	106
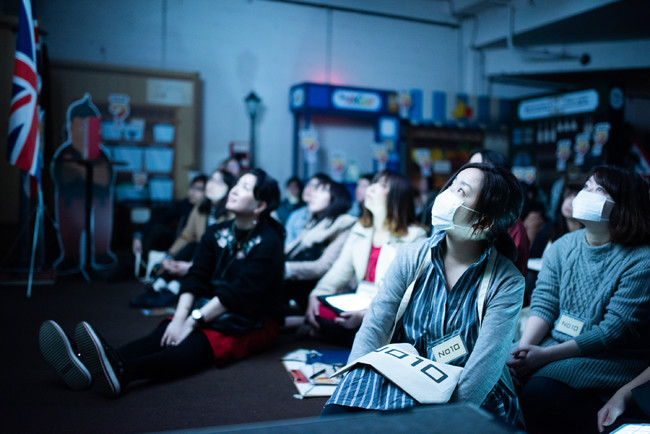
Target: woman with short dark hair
432	296
229	305
589	324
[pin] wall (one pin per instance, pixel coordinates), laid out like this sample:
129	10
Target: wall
242	45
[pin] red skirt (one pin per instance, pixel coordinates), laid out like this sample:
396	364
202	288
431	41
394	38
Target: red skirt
228	348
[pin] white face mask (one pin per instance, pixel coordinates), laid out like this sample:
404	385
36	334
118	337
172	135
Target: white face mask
589	206
443	210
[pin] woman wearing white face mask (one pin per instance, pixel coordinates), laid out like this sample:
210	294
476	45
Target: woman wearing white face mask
589	327
439	282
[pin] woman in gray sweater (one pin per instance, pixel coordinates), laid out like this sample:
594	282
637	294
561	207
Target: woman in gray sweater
589	327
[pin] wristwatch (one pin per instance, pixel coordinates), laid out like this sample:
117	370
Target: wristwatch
197	316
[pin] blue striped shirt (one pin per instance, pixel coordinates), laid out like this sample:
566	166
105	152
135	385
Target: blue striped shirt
433	316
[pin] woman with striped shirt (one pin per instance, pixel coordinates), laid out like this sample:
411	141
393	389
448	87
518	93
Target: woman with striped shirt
471	217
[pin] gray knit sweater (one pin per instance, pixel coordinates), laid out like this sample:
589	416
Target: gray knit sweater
608	288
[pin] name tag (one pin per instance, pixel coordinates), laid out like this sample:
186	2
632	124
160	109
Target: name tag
449	350
569	326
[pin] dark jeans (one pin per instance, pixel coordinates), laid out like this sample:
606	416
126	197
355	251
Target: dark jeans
146	359
550	406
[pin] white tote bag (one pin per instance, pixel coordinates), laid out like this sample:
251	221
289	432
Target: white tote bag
425	380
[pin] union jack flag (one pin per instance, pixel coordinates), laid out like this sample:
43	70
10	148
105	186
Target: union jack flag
23	150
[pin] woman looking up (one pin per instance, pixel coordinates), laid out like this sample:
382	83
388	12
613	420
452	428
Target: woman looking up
588	330
229	305
318	245
387	223
446	274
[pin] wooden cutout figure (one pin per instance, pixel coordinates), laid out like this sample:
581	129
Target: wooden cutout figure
70	168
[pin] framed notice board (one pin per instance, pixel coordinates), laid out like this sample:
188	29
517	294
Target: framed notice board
150	121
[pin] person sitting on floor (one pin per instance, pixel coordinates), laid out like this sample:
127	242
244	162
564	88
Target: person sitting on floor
229	305
454	298
299	218
386	225
157	234
589	325
517	231
318	245
164	290
292	200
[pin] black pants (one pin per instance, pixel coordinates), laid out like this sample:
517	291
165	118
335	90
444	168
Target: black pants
550	406
146	359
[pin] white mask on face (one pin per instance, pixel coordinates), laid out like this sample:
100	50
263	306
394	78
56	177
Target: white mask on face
443	211
589	206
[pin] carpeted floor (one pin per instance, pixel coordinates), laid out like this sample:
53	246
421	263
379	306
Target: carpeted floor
34	399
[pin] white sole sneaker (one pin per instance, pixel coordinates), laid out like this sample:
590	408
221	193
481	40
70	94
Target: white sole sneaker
105	380
57	351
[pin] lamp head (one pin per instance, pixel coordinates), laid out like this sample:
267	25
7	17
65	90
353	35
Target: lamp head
252	103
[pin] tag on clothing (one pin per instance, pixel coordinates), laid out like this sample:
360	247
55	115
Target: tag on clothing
449	350
569	326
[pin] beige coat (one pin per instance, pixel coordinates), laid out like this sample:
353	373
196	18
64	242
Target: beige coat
350	267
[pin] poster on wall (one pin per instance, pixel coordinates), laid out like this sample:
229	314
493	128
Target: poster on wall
309	144
71	165
338	165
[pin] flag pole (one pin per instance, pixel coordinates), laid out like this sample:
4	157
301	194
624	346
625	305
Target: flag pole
39	215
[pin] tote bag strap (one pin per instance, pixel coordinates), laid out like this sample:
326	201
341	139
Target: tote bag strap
485	281
409	291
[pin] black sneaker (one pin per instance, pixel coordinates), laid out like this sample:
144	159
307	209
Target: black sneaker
59	353
102	361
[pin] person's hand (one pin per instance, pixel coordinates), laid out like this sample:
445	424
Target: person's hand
312	311
350	320
177	268
526	359
176	332
611	410
136	246
167	264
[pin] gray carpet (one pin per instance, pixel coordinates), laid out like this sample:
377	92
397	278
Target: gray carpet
34	399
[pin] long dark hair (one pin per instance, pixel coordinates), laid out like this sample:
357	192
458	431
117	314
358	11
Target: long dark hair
629	224
340	201
498	207
218	209
400	204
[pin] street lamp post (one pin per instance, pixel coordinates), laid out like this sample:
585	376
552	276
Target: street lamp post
252	105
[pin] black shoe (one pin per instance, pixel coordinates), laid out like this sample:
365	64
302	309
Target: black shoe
151	298
59	353
102	361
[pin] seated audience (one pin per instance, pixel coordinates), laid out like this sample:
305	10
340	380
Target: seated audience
563	223
164	227
470	245
589	321
211	210
360	194
292	200
386	225
517	231
228	307
318	245
299	218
